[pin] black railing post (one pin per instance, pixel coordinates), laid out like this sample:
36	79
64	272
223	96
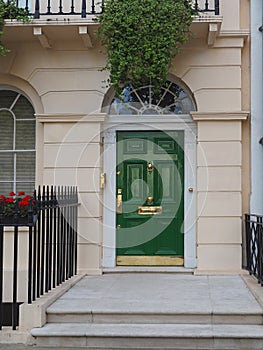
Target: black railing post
54	210
63	234
43	233
39	242
34	271
83	9
93	7
29	288
72	7
260	247
1	273
76	228
30	253
60	7
50	210
248	242
196	5
15	252
59	244
47	242
48	8
216	7
36	13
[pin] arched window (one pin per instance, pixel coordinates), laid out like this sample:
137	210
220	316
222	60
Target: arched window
17	143
173	99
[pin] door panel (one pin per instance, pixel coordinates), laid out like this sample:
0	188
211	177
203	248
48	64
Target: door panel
150	170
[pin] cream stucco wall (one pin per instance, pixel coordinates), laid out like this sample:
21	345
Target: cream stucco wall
65	84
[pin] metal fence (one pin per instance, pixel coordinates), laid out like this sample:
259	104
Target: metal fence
51	219
84	8
254	245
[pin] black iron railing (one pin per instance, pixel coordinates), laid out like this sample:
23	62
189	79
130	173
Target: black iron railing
51	219
254	245
84	8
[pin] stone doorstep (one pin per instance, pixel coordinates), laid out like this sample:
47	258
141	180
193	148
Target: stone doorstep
154	336
148	269
152	318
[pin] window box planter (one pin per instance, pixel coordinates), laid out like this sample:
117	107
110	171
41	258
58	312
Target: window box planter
28	220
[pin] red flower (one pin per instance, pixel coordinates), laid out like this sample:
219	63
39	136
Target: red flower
12	194
23	203
2	196
27	197
9	200
22	193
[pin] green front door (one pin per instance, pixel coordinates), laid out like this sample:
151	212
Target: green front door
150	198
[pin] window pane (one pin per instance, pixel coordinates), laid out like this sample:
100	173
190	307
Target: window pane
6	130
28	188
23	109
6	188
7	98
6	166
173	99
25	166
25	134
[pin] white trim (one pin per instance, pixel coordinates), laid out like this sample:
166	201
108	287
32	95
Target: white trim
163	123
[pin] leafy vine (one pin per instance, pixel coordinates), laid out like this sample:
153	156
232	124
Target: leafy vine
9	10
141	38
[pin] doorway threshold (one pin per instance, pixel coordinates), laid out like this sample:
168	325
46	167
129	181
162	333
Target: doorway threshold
148	269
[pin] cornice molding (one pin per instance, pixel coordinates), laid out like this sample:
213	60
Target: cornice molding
239	33
219	116
70	118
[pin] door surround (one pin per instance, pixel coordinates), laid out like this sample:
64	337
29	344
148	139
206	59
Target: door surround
164	123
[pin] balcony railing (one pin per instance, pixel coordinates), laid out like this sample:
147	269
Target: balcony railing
84	8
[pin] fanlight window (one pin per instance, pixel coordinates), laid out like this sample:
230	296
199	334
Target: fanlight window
173	99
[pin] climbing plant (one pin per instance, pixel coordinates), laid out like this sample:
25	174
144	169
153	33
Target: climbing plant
141	37
9	10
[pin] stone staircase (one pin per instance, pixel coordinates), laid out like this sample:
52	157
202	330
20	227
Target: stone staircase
154	311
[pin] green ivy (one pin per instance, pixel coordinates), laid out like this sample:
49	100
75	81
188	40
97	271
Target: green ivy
9	10
141	38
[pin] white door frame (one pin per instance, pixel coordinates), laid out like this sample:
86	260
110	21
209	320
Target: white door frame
162	123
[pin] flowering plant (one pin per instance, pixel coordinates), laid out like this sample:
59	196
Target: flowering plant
9	205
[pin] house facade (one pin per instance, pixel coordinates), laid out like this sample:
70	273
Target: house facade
162	181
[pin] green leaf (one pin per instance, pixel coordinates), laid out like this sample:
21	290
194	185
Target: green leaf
141	38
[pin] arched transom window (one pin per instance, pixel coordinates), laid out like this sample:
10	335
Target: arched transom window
17	143
173	99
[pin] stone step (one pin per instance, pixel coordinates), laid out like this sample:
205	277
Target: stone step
126	317
150	336
148	269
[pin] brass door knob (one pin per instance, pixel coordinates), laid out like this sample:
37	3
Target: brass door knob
150	167
190	189
149	200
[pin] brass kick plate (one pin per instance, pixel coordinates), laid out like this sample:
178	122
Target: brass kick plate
139	260
153	210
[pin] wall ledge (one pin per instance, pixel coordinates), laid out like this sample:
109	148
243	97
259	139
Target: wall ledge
70	118
219	116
